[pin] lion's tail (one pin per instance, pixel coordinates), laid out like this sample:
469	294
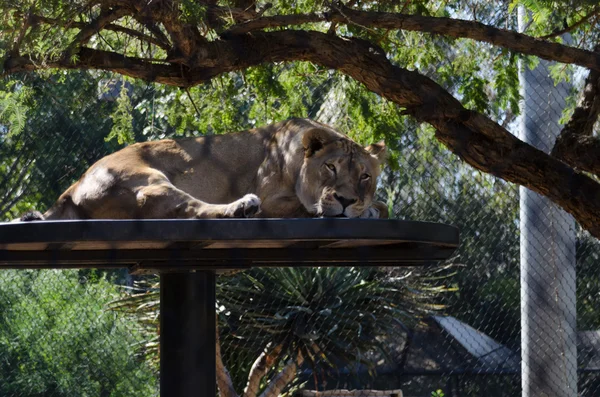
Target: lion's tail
32	216
63	209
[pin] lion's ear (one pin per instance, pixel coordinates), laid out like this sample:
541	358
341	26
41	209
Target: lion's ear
377	150
315	139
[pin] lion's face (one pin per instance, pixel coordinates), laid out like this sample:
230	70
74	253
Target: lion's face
338	177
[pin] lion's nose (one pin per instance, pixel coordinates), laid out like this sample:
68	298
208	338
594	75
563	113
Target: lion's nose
344	201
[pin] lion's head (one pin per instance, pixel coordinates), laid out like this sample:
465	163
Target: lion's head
338	176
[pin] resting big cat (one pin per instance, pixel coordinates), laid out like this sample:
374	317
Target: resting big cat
295	168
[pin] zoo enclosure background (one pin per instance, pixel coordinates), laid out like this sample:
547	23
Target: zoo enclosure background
58	339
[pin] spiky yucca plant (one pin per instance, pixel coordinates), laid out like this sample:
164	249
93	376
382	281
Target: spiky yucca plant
274	320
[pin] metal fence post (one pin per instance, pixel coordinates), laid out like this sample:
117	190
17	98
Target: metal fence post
548	289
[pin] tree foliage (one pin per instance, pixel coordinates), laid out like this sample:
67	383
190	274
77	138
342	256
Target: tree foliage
49	346
71	132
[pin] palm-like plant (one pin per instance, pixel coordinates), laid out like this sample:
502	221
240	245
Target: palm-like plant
274	320
143	302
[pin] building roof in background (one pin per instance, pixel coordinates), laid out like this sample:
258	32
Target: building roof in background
444	345
448	345
588	350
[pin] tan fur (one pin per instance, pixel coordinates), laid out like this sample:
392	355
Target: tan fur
296	168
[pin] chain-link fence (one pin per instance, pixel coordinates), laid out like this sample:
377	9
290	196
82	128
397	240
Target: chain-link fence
454	329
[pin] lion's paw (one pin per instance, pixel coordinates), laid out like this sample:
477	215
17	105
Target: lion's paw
377	210
370	213
246	207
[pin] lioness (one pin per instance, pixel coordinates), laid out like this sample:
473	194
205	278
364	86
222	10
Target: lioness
295	168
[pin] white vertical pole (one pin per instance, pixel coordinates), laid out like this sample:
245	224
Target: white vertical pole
548	299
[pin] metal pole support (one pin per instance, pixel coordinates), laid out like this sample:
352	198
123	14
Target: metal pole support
187	334
548	253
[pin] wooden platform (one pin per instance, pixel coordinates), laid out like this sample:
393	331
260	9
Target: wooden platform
223	243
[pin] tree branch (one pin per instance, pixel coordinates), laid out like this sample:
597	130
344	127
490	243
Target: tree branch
586	114
238	14
576	144
283	378
259	369
160	40
216	16
458	28
579	151
224	382
5	207
583	20
187	40
246	5
96	25
273	22
155	30
16	166
27	22
89	59
444	26
350	393
5	203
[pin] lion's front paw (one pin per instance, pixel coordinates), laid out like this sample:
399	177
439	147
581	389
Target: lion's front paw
377	210
246	207
370	213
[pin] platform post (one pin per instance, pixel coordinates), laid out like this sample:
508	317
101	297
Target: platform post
187	334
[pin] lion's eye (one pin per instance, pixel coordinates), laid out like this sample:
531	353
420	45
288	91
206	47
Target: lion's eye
365	177
331	167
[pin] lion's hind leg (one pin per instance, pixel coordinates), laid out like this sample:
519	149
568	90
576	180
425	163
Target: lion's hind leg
163	200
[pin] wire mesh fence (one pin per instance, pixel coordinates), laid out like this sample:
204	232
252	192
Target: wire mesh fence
452	329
